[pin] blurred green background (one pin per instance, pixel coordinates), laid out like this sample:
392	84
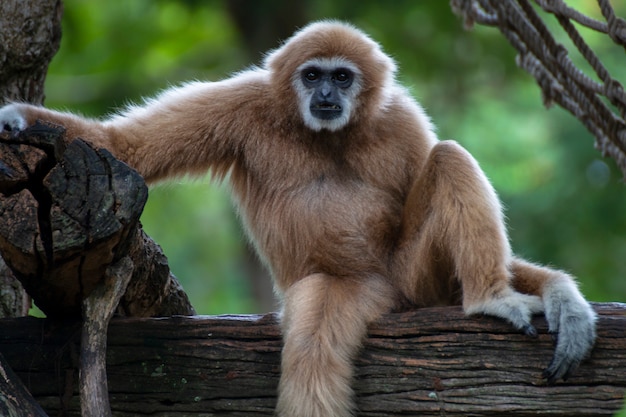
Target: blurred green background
565	203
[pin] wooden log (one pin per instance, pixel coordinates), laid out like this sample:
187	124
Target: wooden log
69	211
428	362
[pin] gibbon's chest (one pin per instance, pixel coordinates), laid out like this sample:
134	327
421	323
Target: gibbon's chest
306	214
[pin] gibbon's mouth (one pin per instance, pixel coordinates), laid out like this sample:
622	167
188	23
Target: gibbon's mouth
326	110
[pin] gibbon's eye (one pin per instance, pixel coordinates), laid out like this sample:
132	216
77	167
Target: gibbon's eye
311	75
343	77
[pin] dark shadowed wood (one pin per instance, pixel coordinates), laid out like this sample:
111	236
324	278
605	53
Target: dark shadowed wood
69	211
429	362
15	400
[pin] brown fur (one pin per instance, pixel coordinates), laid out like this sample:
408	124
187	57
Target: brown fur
352	223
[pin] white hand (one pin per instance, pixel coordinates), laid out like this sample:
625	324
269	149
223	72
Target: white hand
12	118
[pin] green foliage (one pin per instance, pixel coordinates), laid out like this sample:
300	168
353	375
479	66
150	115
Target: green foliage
565	204
197	229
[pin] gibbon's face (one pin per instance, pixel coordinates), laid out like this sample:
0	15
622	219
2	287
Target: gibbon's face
327	89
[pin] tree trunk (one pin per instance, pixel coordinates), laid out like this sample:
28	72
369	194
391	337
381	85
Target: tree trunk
71	235
428	362
69	211
30	35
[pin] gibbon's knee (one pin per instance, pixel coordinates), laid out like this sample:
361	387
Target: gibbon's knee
453	184
458	172
452	226
450	174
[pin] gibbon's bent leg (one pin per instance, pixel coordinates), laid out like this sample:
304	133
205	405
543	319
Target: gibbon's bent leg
324	322
452	226
453	235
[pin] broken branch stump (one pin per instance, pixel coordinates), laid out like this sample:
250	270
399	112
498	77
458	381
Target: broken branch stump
427	362
69	211
98	308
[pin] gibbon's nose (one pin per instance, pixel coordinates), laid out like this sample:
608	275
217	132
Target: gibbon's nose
326	90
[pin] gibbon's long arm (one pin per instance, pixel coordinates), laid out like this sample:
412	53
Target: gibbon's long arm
184	130
325	321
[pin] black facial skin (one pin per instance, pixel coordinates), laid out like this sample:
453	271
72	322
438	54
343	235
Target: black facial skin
327	84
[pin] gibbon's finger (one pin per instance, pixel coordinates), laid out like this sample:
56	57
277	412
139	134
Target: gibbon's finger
529	330
552	373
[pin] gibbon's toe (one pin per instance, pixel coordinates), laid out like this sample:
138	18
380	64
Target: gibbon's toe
529	330
560	368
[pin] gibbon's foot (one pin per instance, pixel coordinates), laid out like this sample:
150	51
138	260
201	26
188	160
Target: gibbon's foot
514	307
571	320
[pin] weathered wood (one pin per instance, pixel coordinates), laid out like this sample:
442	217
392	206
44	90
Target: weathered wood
69	211
429	362
30	35
98	309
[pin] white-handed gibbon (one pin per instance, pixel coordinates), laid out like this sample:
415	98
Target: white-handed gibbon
350	200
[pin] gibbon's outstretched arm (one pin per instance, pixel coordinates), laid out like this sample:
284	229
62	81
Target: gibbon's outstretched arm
349	198
185	130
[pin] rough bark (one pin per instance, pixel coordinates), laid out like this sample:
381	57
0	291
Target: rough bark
30	35
69	211
14	301
16	401
429	362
